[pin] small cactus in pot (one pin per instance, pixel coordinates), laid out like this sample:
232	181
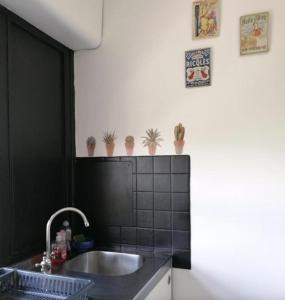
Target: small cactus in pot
109	140
179	132
151	140
91	144
129	144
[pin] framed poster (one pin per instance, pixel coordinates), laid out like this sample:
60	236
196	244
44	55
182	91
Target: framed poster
198	67
206	19
254	33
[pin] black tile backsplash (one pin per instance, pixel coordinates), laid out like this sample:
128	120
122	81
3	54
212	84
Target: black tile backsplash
161	209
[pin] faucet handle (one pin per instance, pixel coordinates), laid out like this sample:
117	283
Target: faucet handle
45	264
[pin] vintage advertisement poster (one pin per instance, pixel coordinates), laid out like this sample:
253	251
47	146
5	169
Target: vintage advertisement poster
198	67
206	19
254	33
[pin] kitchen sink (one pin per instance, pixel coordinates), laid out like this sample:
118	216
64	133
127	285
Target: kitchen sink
105	263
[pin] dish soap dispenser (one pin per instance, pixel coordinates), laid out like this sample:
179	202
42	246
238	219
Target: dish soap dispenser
68	236
59	252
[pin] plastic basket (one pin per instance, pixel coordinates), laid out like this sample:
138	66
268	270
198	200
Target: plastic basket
18	284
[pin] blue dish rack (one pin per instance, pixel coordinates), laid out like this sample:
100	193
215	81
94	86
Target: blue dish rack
19	284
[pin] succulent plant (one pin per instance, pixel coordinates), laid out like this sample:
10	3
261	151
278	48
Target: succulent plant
91	140
179	132
152	138
109	137
130	140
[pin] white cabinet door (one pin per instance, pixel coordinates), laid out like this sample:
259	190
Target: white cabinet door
163	290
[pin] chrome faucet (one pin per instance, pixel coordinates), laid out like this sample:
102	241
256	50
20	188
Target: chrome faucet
46	262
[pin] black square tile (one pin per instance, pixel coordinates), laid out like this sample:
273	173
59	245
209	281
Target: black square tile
181	202
162	219
181	221
162	238
162	183
144	164
162	164
144	182
181	164
133	161
113	234
145	218
145	237
181	240
181	259
145	200
129	235
180	183
162	201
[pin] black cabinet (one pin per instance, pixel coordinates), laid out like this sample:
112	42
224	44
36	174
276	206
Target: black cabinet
5	205
36	127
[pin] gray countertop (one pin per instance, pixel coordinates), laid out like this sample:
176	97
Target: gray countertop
132	286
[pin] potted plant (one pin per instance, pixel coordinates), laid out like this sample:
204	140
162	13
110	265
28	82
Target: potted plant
91	144
179	132
151	140
129	144
109	138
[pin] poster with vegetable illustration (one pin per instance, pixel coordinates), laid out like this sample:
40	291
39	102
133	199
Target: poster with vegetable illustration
206	19
254	33
198	67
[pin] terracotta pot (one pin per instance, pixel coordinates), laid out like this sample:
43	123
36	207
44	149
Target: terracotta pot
151	150
110	149
129	149
91	149
179	146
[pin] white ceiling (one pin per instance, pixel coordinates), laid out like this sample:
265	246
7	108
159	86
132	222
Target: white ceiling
75	23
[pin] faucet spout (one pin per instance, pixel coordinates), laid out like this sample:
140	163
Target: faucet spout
46	263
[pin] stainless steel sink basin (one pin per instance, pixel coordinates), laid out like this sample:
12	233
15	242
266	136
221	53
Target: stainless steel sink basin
105	263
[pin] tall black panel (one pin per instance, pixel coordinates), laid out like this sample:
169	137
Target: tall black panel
37	135
5	216
37	117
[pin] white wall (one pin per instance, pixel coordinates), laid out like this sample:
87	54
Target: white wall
235	133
